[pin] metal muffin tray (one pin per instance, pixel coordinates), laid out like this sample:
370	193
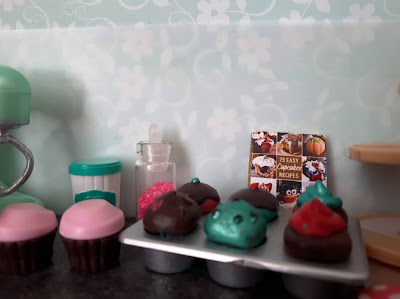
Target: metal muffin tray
269	256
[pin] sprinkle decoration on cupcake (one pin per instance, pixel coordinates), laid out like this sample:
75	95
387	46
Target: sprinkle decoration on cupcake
316	233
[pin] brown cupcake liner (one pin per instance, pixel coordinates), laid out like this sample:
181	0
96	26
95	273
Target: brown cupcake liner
27	256
93	255
330	249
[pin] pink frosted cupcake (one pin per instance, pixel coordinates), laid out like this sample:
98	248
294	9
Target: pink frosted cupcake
89	231
27	233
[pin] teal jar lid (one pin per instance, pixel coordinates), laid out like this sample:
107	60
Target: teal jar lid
15	96
97	166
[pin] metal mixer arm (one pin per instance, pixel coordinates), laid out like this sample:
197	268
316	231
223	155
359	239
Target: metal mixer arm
6	138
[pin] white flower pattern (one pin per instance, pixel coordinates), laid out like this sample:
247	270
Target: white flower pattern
253	50
109	84
213	12
223	124
293	34
124	13
138	43
358	15
87	61
296	18
131	82
364	14
8	5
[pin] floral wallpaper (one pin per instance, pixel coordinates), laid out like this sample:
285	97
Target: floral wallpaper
97	90
42	14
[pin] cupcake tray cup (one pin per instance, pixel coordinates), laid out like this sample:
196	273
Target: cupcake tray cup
167	263
226	264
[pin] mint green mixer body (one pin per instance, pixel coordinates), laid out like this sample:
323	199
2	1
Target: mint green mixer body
15	107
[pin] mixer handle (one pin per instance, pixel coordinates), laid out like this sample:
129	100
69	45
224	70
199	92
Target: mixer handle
7	138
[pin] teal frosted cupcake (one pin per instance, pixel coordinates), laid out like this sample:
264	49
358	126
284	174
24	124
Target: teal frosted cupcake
237	224
266	203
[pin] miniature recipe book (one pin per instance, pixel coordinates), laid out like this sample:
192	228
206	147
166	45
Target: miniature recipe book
285	164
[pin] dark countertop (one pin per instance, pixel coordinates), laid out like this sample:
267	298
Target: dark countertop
130	279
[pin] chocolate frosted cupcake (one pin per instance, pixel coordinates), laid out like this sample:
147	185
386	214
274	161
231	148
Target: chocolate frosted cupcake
316	233
27	233
319	191
205	195
89	230
266	204
172	213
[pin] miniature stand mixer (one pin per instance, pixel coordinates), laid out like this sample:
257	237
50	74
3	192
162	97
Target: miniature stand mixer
15	103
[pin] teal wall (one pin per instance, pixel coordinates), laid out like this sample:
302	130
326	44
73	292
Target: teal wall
95	91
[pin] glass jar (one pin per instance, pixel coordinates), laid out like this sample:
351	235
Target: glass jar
155	173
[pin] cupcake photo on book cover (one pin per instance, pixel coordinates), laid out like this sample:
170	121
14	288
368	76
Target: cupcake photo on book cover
314	169
264	142
263	166
268	185
314	145
289	144
287	193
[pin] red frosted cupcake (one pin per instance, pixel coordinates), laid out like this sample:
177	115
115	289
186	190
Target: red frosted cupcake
27	233
316	233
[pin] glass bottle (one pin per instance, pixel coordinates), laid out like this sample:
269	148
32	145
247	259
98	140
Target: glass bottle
155	172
